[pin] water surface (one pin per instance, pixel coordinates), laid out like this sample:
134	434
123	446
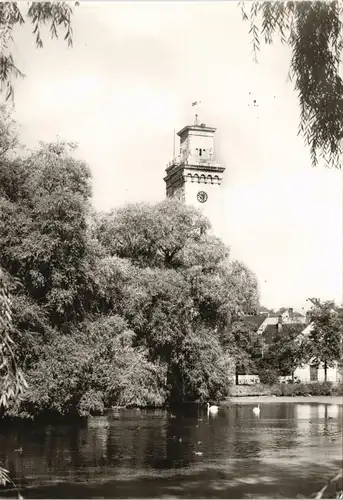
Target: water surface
290	450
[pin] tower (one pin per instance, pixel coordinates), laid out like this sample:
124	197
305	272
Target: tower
193	176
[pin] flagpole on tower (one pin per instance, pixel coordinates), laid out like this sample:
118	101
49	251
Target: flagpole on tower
196	103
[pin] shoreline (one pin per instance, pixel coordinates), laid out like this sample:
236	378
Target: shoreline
336	400
253	399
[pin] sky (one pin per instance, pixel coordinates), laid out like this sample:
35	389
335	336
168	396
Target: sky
129	81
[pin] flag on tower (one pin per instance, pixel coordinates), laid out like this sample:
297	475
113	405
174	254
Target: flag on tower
195	103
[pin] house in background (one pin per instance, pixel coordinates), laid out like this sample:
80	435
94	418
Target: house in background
268	323
275	320
316	373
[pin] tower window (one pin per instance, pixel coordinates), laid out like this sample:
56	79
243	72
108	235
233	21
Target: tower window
200	152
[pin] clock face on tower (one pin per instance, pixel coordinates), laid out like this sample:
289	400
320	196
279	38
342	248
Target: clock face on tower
202	196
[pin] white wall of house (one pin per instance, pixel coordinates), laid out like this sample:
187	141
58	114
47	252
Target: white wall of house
248	379
333	374
303	373
288	318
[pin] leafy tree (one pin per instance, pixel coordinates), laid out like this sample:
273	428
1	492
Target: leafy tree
171	235
94	368
324	342
44	200
201	369
96	295
160	309
12	380
183	291
313	30
152	235
8	135
57	14
158	306
242	285
244	344
32	330
175	236
287	351
122	371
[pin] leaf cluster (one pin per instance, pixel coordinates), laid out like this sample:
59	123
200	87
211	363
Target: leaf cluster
55	14
314	32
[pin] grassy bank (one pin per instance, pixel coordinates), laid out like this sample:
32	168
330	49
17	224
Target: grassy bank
290	390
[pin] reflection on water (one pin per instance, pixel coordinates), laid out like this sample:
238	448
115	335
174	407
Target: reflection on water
290	449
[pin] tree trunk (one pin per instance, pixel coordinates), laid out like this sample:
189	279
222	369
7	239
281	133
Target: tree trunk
325	371
292	376
236	375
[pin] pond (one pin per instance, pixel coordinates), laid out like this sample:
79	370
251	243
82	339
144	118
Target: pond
290	450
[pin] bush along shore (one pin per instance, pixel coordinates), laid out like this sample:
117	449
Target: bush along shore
289	390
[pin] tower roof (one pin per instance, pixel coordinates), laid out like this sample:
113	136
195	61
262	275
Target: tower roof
196	128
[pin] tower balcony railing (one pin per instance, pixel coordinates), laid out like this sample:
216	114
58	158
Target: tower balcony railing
191	160
175	161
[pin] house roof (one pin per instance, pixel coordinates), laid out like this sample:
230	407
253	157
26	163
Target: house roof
283	310
308	329
271	330
298	315
256	319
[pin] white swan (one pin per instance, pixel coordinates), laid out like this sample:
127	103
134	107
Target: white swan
256	410
212	409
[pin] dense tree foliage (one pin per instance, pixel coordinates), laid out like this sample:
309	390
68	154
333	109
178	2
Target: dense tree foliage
8	136
128	307
324	344
314	32
95	367
244	345
285	353
44	206
12	381
185	292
